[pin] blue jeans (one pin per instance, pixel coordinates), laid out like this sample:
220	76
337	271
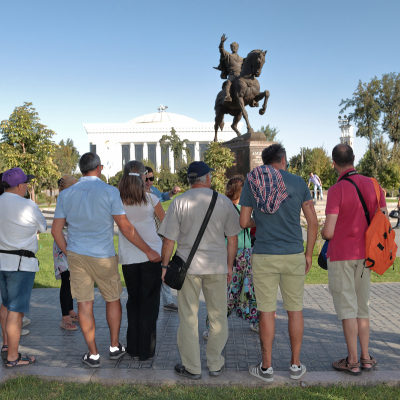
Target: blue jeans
316	187
16	288
166	295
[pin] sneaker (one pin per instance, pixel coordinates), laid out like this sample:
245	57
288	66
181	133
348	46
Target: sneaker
88	360
216	373
180	370
254	327
296	372
24	332
171	307
267	376
117	354
25	321
205	334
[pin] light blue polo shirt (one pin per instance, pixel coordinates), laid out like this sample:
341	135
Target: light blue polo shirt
88	207
161	196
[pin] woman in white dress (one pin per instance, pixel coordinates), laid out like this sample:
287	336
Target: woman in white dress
142	277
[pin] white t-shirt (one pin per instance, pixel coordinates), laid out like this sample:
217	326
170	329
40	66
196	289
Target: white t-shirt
182	224
20	219
142	218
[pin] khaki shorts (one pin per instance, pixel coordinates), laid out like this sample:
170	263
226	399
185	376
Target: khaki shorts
350	292
286	271
85	270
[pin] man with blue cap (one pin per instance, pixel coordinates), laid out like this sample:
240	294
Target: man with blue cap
21	219
209	271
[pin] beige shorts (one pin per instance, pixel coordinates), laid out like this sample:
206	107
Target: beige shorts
350	292
286	271
85	270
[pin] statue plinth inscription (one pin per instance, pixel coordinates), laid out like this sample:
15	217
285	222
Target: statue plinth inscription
247	154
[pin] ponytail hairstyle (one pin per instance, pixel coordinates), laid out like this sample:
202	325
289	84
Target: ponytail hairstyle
65	182
131	186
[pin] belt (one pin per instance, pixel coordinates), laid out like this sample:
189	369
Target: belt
21	253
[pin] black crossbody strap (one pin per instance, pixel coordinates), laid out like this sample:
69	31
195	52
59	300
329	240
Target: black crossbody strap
246	230
202	229
366	212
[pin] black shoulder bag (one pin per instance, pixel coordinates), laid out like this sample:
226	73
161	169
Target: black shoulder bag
177	268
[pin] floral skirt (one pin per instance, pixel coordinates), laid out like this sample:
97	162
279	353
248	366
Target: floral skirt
241	297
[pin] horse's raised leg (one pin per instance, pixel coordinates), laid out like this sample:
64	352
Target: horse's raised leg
235	122
266	97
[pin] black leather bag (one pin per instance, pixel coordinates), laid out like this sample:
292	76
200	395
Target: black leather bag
177	268
394	214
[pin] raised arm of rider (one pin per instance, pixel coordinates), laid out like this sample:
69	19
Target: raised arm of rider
128	230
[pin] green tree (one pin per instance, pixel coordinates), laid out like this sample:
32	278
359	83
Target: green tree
166	180
27	143
270	133
366	109
66	157
390	105
314	160
220	158
114	180
177	146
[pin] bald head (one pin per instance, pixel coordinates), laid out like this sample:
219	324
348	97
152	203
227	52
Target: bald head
343	155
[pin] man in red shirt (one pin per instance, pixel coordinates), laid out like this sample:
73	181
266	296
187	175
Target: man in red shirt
349	281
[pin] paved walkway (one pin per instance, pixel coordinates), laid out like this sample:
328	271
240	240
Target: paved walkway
59	352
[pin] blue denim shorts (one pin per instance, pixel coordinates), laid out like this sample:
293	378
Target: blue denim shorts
16	288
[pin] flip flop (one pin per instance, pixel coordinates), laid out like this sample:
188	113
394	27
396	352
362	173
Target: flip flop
11	364
68	327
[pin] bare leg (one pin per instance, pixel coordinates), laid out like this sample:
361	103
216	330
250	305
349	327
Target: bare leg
350	329
3	321
296	329
363	336
87	323
114	315
13	331
267	333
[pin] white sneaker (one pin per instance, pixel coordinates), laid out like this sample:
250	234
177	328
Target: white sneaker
24	332
25	321
254	327
205	334
296	372
267	376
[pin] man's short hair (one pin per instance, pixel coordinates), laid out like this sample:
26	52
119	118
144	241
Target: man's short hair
149	170
89	162
343	155
273	154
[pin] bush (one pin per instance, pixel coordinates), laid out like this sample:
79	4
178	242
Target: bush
114	180
103	178
166	180
182	176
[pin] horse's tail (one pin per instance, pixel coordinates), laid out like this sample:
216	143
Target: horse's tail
219	102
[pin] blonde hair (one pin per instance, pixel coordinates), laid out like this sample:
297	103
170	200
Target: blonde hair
66	181
132	187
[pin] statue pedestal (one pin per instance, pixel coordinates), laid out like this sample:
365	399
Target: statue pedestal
247	149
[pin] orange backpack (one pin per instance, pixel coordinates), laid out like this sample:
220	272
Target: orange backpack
380	247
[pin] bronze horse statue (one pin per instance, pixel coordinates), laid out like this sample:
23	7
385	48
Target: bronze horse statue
245	90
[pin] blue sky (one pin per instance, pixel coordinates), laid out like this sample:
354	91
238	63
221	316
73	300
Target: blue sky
111	61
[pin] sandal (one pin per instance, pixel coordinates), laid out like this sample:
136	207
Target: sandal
371	361
74	318
343	365
4	352
30	360
68	327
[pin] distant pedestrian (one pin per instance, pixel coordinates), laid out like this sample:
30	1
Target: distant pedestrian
276	198
21	219
166	295
61	270
317	185
210	270
90	207
142	277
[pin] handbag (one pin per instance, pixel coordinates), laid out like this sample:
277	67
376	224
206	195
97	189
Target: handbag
177	268
394	214
157	220
322	260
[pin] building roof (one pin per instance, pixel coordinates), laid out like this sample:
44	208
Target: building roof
164	117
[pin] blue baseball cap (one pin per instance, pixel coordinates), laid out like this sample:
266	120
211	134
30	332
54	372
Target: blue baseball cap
197	169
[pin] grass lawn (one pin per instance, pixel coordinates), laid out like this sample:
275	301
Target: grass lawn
34	388
45	277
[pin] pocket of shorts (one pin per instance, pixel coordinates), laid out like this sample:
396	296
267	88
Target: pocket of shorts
335	280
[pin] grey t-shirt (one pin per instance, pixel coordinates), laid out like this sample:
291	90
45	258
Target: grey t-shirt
182	224
279	233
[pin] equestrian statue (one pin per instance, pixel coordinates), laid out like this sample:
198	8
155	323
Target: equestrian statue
241	88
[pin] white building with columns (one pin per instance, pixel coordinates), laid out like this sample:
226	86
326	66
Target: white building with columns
139	139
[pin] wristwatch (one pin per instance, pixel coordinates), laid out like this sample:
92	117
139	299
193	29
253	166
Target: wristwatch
163	266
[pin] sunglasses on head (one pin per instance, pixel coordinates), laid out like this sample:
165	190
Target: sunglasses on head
151	179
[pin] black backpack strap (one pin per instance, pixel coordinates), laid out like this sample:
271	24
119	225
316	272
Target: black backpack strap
366	212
